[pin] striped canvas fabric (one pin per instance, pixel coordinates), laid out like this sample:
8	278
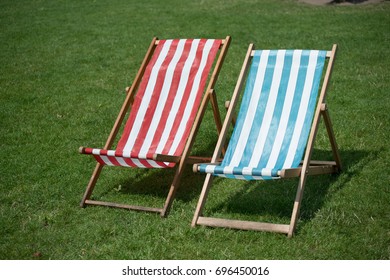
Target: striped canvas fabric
275	117
165	105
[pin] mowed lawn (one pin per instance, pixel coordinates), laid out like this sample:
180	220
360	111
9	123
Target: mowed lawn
64	66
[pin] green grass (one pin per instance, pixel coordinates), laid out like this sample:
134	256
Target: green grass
63	69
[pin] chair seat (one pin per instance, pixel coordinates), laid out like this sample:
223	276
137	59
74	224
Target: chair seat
275	117
126	159
244	173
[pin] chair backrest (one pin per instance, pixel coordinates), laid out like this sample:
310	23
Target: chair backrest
168	98
276	113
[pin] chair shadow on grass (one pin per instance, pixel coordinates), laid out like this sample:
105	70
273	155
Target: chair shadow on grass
151	186
272	201
246	199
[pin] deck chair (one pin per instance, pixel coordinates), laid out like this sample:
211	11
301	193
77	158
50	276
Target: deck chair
166	110
275	128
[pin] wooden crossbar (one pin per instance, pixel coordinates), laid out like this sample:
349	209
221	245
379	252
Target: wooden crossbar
329	168
123	206
243	225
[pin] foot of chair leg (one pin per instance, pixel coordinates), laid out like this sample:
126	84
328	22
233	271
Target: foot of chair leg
163	213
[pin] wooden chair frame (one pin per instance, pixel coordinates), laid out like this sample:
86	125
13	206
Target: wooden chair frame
307	167
180	161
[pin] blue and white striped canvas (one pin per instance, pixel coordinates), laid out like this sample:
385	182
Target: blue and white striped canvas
275	117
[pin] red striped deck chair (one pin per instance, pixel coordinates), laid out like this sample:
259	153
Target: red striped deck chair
167	102
275	129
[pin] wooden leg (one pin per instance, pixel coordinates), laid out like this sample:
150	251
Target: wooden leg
173	189
91	184
332	138
305	167
217	116
297	203
234	116
202	199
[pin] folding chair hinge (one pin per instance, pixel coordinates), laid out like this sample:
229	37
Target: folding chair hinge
324	107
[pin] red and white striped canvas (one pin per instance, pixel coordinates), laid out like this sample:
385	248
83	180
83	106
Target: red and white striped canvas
165	105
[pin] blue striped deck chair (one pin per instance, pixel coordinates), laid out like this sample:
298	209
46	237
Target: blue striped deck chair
164	108
275	128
